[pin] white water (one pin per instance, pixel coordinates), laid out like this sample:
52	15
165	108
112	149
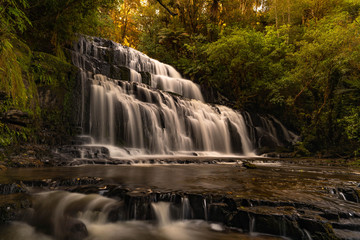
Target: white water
152	122
183	87
58	213
136	120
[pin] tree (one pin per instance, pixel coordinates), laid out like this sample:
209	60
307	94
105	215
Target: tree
12	21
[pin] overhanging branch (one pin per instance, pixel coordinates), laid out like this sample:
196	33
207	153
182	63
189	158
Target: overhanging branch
167	9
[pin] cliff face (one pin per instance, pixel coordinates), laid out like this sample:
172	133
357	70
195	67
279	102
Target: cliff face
61	96
40	112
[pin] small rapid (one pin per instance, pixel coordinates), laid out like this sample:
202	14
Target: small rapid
62	215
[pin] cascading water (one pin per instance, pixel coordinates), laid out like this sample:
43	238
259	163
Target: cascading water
133	118
60	215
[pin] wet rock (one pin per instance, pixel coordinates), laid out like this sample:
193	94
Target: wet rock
74	229
138	206
117	213
78	181
67	184
116	192
349	194
12	188
11	206
347	235
280	225
89	189
347	226
16	117
241	220
317	229
244	202
230	203
79	140
248	165
197	203
3	95
330	215
83	154
146	78
218	212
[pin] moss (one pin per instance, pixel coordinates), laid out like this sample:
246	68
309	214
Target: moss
301	150
249	165
50	70
39	84
55	80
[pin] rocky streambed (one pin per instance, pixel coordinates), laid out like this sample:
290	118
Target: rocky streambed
195	198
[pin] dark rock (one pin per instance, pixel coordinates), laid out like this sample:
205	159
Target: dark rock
12	188
330	215
116	72
90	182
317	229
16	117
347	226
280	225
197	203
268	141
105	69
138	206
218	212
11	206
244	203
347	234
78	181
350	194
79	140
146	78
248	165
117	213
116	191
3	95
230	203
236	144
84	152
74	229
241	220
121	73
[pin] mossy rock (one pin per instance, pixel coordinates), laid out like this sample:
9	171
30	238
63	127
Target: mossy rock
146	78
249	165
11	205
50	70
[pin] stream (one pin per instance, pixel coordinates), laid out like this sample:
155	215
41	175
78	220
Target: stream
187	201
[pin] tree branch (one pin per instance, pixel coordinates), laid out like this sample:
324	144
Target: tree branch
167	9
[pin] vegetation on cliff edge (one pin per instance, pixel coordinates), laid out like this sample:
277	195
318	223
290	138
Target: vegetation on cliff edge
298	60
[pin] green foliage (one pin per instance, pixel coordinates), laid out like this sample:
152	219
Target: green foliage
12	18
352	124
247	62
50	70
10	136
57	22
11	74
296	59
14	54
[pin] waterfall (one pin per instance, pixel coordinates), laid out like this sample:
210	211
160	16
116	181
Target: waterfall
137	105
162	212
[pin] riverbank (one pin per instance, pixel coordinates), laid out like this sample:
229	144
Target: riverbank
41	155
282	197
